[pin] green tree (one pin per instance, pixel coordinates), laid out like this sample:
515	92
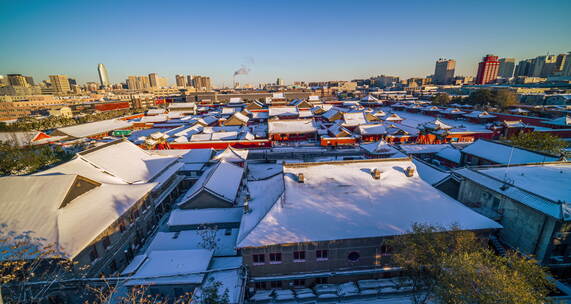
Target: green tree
500	98
448	265
441	99
540	141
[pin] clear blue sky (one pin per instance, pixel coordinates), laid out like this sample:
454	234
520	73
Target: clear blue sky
296	40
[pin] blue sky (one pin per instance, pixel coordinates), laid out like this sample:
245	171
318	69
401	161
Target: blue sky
294	40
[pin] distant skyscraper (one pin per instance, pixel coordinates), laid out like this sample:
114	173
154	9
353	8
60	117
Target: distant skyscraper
60	83
280	82
523	68
180	80
507	66
17	80
30	80
154	80
103	75
444	71
488	70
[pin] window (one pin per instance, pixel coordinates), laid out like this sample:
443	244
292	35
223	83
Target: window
496	203
93	253
276	284
259	258
320	280
353	256
321	255
299	256
299	282
228	231
386	249
106	242
275	258
260	285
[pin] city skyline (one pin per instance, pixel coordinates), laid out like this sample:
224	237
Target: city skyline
357	40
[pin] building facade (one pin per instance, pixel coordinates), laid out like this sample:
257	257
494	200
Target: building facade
488	70
444	71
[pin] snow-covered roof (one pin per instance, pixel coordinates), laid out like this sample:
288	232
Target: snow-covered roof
561	121
416	149
39	204
243	118
156	111
221	180
373	129
278	96
313	98
235	100
193	217
182	105
539	187
369	98
172	267
283	111
381	148
354	119
215	136
94	128
451	154
232	155
479	114
344	201
24	138
436	124
428	173
393	117
298	126
193	239
505	154
116	162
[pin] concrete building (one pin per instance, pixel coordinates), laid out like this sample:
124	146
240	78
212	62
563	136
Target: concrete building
444	71
154	80
180	81
507	66
488	70
531	202
326	223
103	75
60	84
17	80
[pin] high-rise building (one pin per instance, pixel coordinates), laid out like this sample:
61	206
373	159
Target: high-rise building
30	80
72	82
280	82
201	82
154	80
507	66
103	75
180	80
444	71
17	80
543	66
560	63
567	67
60	83
523	68
488	70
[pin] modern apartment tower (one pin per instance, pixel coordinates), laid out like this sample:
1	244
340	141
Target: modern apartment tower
60	83
103	75
507	66
155	80
444	71
488	70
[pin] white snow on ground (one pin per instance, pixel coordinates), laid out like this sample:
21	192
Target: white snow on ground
344	201
451	154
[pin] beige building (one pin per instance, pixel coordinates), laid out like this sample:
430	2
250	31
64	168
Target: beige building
444	71
180	81
154	80
60	83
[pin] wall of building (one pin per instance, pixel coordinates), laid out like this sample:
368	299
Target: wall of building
524	228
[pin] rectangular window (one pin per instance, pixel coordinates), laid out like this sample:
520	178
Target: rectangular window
106	242
276	284
299	282
386	249
321	255
93	253
260	285
299	256
259	259
275	258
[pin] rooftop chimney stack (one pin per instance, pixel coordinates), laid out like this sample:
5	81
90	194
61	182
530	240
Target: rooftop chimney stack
409	171
376	173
